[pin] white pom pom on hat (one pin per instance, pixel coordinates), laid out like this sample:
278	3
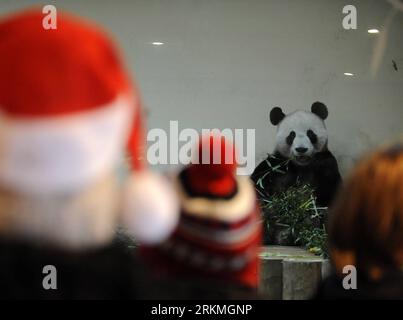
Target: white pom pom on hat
151	208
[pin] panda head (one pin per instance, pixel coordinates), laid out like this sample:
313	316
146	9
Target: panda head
301	134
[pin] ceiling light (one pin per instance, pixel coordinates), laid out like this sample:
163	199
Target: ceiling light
157	43
349	74
373	31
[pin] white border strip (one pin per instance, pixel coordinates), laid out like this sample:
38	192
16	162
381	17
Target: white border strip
221	237
63	153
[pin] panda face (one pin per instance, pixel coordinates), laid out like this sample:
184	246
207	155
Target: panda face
300	136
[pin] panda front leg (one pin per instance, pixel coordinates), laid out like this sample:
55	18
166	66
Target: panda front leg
327	176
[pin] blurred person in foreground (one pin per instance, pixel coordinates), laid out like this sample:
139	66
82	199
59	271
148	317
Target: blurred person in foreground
366	230
68	113
216	243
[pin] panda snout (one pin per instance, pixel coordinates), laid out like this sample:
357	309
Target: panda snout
301	150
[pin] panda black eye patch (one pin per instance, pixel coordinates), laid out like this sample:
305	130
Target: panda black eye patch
290	138
312	136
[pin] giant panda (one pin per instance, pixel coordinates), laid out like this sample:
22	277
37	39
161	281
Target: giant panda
300	154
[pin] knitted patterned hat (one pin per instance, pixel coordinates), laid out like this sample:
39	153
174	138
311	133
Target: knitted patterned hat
68	112
219	233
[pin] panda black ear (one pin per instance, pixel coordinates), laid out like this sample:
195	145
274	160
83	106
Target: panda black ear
320	110
276	115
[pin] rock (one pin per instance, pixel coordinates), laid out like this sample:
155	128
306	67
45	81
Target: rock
290	272
301	278
271	281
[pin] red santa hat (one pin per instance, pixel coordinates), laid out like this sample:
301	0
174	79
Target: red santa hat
219	233
68	112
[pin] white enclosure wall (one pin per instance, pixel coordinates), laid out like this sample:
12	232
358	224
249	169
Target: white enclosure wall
225	63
